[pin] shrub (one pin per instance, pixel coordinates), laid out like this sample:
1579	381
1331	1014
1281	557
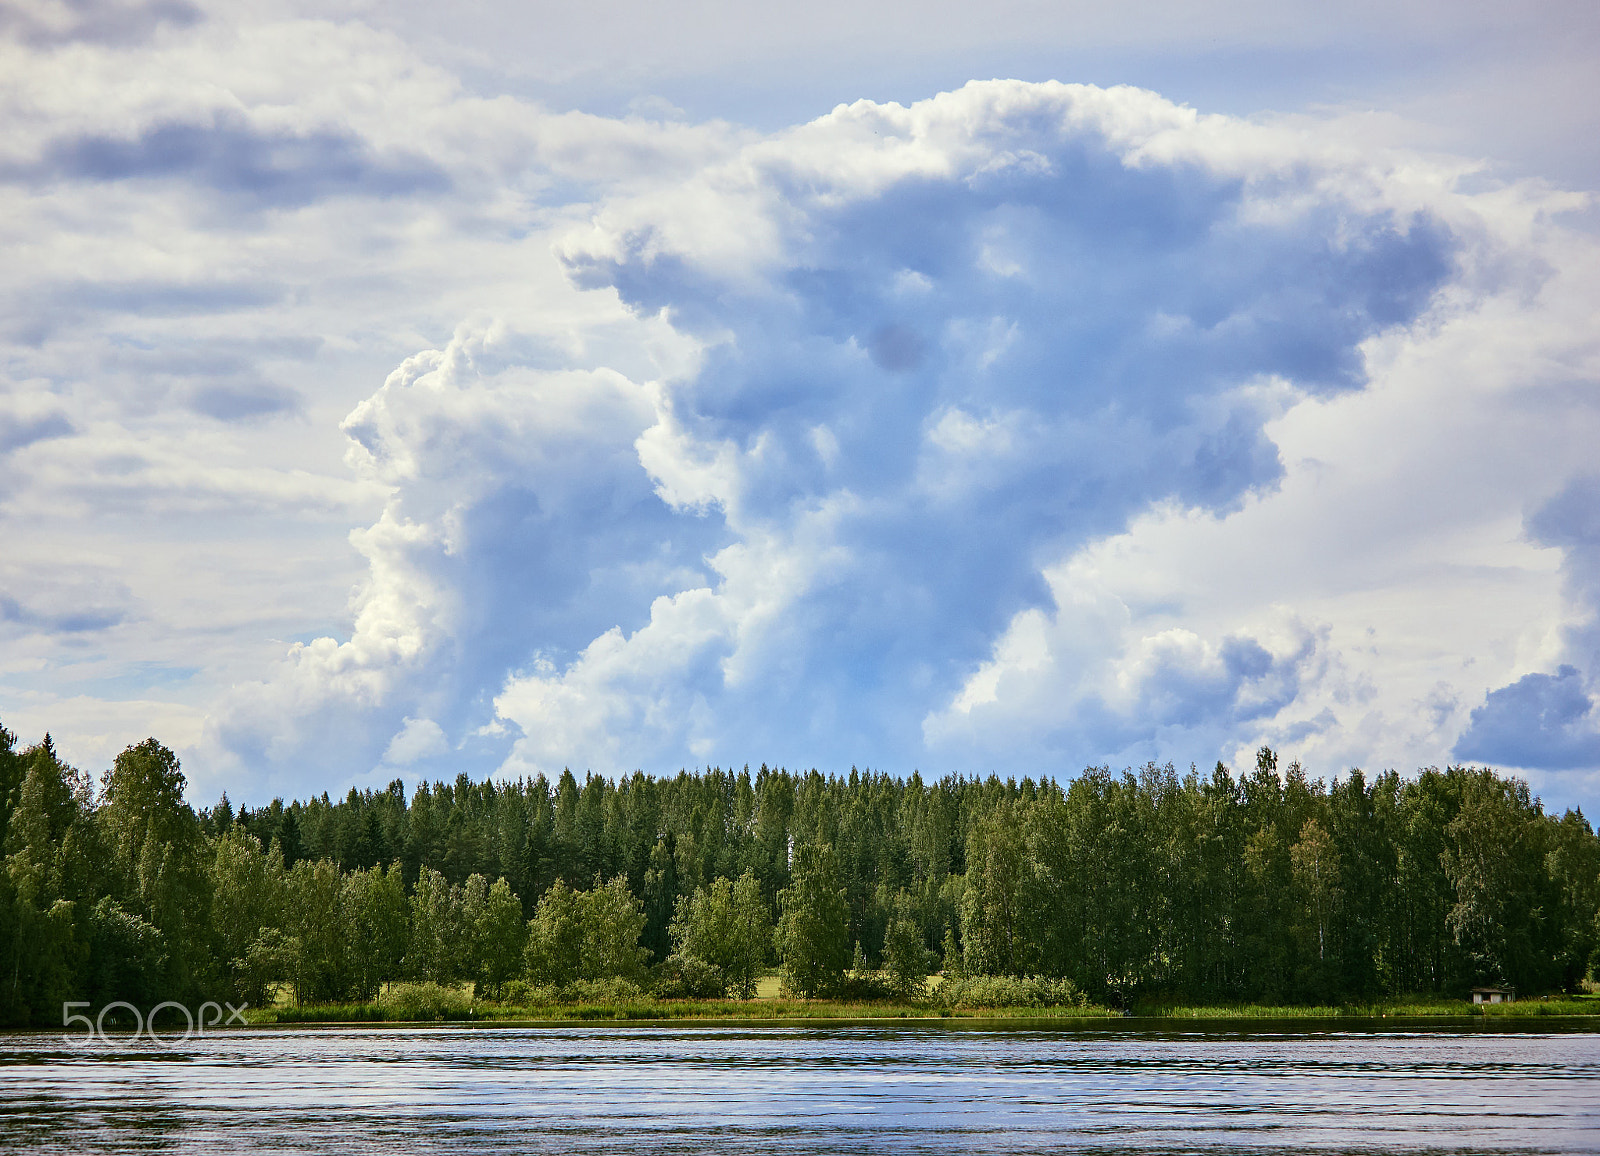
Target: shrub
689	977
866	985
521	993
425	1001
613	989
999	991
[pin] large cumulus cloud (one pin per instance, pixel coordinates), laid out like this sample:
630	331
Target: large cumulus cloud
906	365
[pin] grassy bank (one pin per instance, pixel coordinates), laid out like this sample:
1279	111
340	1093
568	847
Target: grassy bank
1586	1005
704	1011
431	1004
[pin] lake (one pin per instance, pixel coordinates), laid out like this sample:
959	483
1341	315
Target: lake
914	1088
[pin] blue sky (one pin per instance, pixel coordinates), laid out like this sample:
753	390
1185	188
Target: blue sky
398	390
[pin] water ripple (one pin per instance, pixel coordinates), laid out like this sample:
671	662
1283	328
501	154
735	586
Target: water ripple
780	1090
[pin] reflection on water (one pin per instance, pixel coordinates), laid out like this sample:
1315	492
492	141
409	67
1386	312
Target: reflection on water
857	1089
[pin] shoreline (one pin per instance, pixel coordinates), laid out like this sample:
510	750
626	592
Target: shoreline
779	1012
1000	1022
1581	1013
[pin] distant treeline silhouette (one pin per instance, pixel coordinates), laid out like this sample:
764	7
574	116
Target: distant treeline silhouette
1264	886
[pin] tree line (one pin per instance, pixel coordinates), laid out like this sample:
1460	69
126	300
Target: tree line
1260	886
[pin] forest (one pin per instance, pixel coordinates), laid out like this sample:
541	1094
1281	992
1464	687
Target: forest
1263	885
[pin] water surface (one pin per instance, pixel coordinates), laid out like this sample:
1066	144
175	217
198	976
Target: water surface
804	1089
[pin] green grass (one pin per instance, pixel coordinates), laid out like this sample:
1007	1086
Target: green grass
1417	1007
427	1003
321	1013
1238	1011
776	1009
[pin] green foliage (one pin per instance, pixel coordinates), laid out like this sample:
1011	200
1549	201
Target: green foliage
520	993
270	958
726	926
995	913
159	859
1573	866
425	1001
689	977
249	893
607	990
613	921
906	957
952	961
127	957
1494	859
554	952
375	912
46	882
436	930
1009	991
585	935
812	936
501	936
11	772
315	918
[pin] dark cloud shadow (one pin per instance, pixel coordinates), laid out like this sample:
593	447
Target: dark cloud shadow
113	22
16	435
82	621
168	298
232	158
235	403
34	318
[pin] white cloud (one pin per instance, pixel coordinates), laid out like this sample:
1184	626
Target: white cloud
417	738
1021	427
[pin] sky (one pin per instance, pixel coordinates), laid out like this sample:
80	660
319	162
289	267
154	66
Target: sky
401	390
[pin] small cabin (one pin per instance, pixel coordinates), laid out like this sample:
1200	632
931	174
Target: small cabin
1493	994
